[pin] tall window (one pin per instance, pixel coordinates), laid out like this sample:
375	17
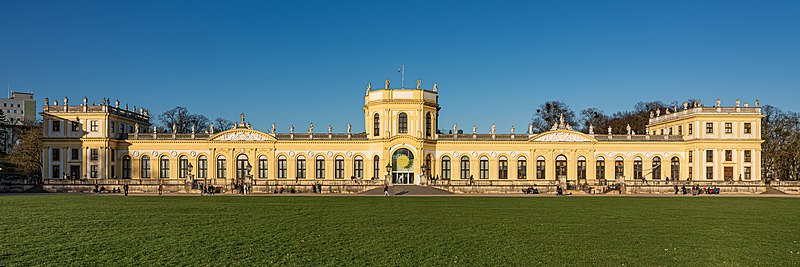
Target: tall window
428	131
748	173
540	168
56	154
709	155
112	127
691	129
676	168
126	167
75	154
464	167
55	172
183	166
163	167
319	167
263	167
680	130
637	168
241	167
222	167
282	166
522	168
301	167
76	126
338	168
710	173
202	167
376	167
600	168
581	168
402	123
748	128
484	168
145	167
93	126
561	167
93	171
56	126
358	167
728	155
619	168
445	168
502	168
748	156
93	154
657	168
376	125
728	128
709	127
691	156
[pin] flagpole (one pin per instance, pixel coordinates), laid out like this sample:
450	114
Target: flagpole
402	76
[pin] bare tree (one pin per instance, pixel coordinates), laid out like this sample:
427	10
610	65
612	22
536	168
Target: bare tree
222	124
549	113
182	119
27	153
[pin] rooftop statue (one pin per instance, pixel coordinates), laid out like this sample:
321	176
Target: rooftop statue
435	87
387	84
418	83
369	87
273	128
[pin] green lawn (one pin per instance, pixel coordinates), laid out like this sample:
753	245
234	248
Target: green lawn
183	230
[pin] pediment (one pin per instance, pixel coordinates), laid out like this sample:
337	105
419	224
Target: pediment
238	135
562	136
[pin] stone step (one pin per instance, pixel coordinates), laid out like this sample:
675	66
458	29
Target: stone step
407	190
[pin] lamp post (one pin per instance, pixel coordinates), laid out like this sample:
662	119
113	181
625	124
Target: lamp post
388	171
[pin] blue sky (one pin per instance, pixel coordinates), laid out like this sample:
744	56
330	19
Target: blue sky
295	62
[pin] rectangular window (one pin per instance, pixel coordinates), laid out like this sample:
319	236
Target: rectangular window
522	169
540	169
320	168
710	173
670	130
113	130
691	173
338	168
56	154
93	171
691	129
93	126
358	168
680	130
75	154
484	174
222	167
76	126
262	168
728	155
748	156
728	128
301	168
709	155
691	156
709	128
503	169
282	166
202	168
600	169
56	172
748	128
93	154
56	126
748	173
446	169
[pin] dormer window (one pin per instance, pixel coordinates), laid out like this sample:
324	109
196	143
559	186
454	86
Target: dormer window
402	125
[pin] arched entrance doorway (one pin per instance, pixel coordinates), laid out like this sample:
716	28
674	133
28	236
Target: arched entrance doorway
403	167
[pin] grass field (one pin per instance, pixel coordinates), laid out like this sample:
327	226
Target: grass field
183	230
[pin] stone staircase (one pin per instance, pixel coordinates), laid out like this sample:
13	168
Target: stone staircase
407	190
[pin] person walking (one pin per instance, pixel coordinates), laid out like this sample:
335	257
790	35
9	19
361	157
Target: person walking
125	188
160	188
386	190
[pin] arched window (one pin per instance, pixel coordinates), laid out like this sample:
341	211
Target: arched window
522	168
561	167
637	168
484	168
581	168
263	166
319	167
656	168
183	167
376	167
540	168
358	167
301	167
464	167
600	168
502	168
163	167
338	167
376	125
126	167
242	172
619	168
676	168
145	172
222	167
282	167
402	123
428	165
445	168
428	131
202	167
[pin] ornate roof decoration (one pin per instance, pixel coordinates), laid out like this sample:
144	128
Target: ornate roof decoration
239	134
562	136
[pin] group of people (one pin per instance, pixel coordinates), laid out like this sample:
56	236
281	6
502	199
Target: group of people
317	188
697	190
531	190
99	189
243	189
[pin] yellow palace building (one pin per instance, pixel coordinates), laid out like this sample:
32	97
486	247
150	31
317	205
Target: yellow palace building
108	142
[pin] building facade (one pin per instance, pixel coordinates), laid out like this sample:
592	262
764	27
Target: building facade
401	146
19	107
